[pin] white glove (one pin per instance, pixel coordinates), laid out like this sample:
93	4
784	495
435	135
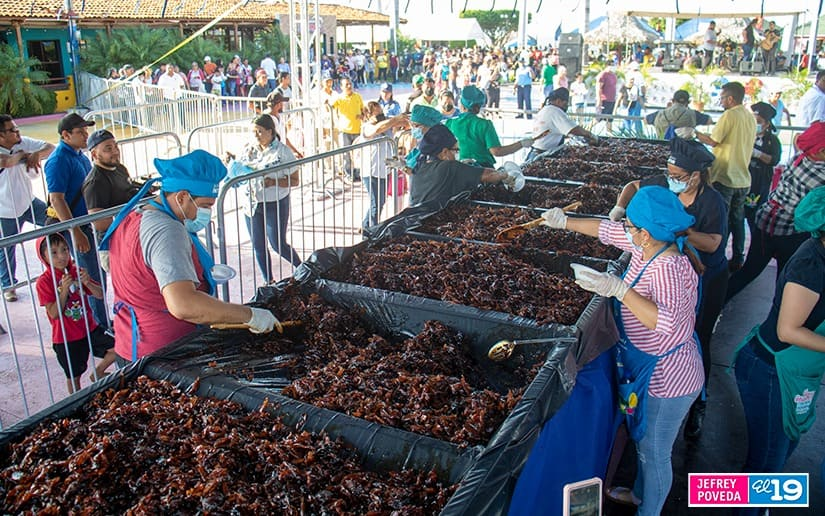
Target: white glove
601	283
555	218
616	213
395	163
686	133
263	321
526	143
103	259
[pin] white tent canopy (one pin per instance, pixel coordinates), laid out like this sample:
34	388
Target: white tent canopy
706	9
446	29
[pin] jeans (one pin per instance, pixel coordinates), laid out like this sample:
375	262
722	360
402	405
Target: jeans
713	299
36	214
89	262
269	223
635	109
763	248
655	472
231	88
768	446
735	202
548	90
377	188
523	98
347	139
271	84
746	52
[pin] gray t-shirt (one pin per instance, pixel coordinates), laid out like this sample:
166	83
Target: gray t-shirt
441	180
166	248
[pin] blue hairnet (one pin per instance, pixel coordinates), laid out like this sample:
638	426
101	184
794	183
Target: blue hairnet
472	96
661	213
425	115
198	172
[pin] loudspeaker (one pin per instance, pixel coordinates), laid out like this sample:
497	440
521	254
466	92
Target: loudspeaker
570	51
571	38
751	67
572	65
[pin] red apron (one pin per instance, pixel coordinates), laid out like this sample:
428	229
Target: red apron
136	291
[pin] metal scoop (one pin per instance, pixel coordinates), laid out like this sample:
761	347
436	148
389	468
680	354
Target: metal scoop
503	349
284	325
511	233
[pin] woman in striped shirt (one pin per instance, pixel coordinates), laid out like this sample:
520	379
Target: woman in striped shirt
660	368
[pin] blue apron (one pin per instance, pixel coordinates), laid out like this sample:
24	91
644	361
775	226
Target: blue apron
634	368
207	263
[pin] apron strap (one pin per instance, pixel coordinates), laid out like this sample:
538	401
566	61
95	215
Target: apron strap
135	331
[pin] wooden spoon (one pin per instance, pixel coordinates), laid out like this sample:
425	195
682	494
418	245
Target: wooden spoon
511	233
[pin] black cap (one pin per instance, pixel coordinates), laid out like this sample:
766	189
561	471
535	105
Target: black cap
559	94
681	96
98	137
71	122
766	111
690	155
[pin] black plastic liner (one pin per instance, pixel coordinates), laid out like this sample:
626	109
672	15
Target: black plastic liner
381	448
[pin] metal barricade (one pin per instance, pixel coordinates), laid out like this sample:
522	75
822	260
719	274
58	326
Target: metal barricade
136	153
313	221
24	358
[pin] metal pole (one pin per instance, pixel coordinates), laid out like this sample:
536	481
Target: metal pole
394	27
816	10
522	25
74	50
586	28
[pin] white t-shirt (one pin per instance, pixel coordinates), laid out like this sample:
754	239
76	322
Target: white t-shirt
171	84
553	118
579	92
374	159
710	35
811	106
16	181
269	67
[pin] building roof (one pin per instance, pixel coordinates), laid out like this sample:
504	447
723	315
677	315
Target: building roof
176	10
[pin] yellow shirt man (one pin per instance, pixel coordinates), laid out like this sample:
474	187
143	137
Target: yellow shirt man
735	133
349	109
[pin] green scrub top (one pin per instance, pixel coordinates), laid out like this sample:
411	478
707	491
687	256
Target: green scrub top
475	137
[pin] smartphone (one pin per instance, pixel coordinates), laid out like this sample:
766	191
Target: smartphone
583	498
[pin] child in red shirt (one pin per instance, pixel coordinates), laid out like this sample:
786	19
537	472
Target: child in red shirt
58	289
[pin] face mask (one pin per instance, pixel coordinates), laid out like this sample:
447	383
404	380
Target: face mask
429	92
202	218
629	237
417	133
759	129
676	186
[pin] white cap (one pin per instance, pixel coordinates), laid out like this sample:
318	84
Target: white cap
207	58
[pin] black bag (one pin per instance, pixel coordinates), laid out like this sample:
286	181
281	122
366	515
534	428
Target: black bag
54	220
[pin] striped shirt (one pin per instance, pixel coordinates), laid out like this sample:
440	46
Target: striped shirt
671	283
775	217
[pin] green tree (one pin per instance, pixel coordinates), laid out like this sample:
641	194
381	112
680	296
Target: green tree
268	41
141	45
498	25
20	90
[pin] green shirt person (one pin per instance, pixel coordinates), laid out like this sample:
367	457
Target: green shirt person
477	137
547	74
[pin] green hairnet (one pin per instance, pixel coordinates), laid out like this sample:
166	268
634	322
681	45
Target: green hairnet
810	213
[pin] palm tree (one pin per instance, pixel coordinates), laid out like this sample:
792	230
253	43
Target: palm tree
20	90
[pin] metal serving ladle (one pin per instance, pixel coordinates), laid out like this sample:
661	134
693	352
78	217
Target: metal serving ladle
503	349
511	233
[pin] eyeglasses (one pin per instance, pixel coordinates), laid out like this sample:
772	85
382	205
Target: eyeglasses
682	179
629	227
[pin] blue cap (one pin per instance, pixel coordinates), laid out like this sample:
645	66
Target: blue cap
472	96
386	87
425	115
660	212
198	172
98	137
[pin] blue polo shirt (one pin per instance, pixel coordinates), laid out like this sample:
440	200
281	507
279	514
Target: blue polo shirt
65	170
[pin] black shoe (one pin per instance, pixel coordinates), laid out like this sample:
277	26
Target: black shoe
696	416
519	116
